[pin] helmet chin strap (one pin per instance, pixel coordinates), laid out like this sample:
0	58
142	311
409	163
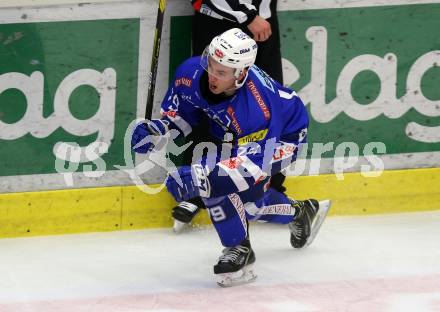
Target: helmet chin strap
237	74
237	85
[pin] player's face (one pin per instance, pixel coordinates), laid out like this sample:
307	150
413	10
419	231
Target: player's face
221	78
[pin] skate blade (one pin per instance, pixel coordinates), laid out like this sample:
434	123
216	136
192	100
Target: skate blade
243	276
179	227
324	207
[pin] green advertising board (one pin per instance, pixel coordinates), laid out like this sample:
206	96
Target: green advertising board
371	54
366	74
66	81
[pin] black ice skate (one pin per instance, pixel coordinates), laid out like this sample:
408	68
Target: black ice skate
183	214
309	216
234	266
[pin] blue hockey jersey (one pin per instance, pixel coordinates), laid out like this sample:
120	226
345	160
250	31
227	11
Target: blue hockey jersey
263	123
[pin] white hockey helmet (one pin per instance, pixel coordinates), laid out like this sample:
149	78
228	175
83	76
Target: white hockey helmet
234	49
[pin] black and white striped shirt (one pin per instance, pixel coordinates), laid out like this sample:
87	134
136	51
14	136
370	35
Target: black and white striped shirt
241	11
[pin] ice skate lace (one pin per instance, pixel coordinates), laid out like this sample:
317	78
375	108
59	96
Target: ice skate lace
232	253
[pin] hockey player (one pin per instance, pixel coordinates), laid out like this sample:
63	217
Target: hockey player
259	125
211	18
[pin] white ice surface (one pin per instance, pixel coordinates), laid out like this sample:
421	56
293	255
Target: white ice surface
375	263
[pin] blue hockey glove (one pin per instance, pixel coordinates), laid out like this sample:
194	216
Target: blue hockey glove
185	188
142	140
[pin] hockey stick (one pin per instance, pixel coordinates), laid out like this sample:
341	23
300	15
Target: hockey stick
155	58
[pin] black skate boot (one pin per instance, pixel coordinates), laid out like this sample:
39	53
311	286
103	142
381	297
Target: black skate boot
184	212
234	266
309	216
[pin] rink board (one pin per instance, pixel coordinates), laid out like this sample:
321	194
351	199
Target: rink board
67	42
58	49
126	207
